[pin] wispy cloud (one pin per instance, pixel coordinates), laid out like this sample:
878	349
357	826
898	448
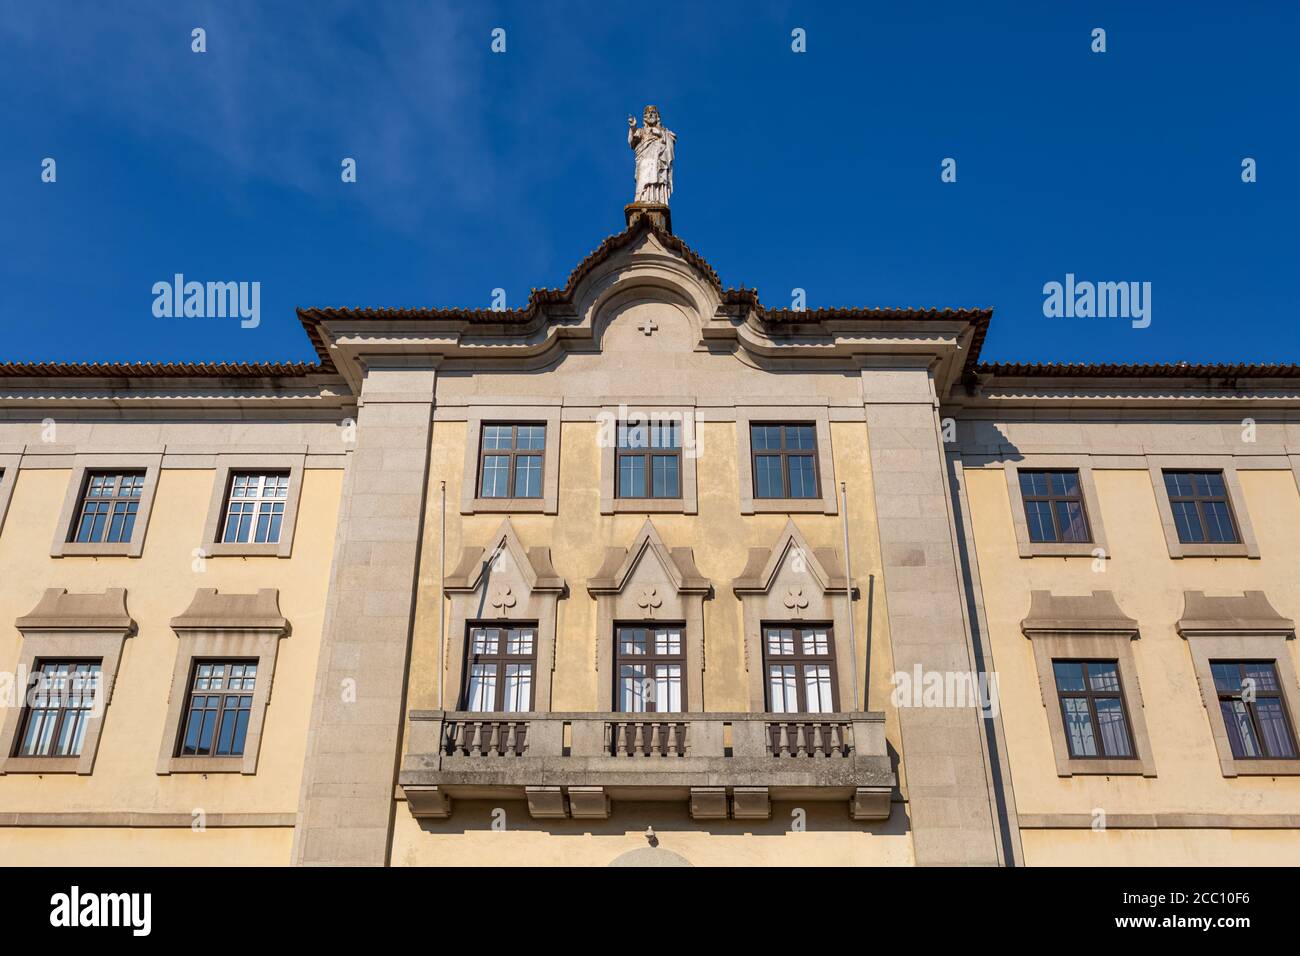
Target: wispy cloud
280	98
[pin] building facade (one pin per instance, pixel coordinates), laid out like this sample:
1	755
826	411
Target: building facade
648	573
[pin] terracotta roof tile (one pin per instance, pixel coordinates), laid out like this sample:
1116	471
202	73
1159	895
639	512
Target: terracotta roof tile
158	369
1153	370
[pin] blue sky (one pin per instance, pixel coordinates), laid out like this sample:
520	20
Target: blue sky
818	170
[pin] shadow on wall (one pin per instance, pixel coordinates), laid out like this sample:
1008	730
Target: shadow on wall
631	818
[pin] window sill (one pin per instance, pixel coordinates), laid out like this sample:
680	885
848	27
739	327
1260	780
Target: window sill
233	549
1240	550
647	506
1105	767
819	505
207	765
43	765
512	505
73	549
1061	549
1261	768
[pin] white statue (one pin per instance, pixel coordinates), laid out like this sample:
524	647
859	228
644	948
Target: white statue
654	146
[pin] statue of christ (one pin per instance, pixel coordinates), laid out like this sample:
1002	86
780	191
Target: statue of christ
654	146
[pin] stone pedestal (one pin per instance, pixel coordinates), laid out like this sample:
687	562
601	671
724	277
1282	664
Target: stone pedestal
657	213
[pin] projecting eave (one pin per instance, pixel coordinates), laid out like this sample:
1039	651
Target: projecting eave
325	393
1138	387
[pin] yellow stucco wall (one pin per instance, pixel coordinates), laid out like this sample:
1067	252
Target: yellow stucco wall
467	839
160	585
1148	586
1161	847
118	846
578	537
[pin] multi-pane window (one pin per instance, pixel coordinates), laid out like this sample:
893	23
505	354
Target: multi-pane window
1250	699
255	507
651	668
785	461
109	503
1092	706
1199	501
218	708
510	461
649	459
1054	506
800	666
499	670
60	701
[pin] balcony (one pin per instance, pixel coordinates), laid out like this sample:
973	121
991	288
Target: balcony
577	764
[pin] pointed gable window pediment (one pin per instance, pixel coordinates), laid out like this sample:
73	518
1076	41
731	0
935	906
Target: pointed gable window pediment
502	583
796	588
649	582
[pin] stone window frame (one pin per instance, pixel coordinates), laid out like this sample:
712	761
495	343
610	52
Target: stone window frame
66	626
213	526
817	415
1092	628
474	600
1028	548
685	503
8	479
82	464
618	604
1240	628
223	627
476	417
1248	547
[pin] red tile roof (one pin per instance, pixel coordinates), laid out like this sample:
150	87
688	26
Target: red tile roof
158	369
1112	370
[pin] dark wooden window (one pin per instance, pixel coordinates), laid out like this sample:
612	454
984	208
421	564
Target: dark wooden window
1054	506
800	665
650	670
217	709
499	668
1092	707
1254	713
109	502
255	507
784	461
510	461
1199	501
60	701
649	459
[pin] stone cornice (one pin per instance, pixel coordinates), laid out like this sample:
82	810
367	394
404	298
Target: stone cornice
213	611
1247	614
60	611
1096	613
